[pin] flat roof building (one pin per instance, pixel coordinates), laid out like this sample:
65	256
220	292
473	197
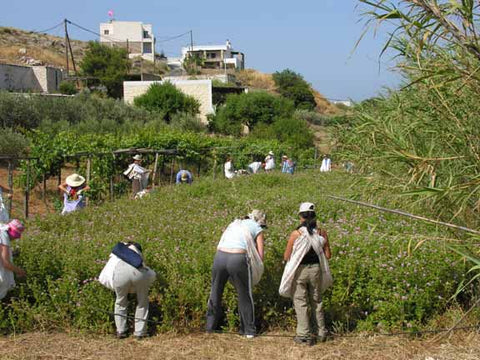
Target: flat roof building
134	36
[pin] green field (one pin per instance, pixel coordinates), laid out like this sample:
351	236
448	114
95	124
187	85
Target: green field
390	272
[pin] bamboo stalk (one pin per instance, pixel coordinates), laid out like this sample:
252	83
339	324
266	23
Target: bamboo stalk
403	213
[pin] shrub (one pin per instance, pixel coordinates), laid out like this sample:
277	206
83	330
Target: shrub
13	143
187	122
109	65
249	109
167	100
67	88
292	86
289	131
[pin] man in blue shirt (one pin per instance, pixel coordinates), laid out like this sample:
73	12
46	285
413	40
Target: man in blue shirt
184	177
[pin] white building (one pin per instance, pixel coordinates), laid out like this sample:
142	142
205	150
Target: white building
134	36
216	56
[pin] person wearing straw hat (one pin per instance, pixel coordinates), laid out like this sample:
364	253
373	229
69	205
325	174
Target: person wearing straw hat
239	258
138	174
288	166
73	190
270	161
184	177
12	230
307	275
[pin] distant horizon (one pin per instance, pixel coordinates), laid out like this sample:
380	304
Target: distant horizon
315	40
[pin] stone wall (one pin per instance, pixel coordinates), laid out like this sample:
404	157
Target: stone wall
199	89
29	78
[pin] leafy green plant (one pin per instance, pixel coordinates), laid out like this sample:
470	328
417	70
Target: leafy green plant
167	100
380	281
292	86
67	88
108	66
249	109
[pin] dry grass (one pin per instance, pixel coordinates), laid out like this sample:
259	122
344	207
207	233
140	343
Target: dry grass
255	79
464	346
12	55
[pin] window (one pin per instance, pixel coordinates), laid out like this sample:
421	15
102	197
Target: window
145	34
106	32
147	48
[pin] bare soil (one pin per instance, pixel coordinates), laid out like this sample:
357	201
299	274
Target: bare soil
224	346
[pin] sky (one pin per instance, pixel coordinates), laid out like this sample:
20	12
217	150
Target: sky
315	38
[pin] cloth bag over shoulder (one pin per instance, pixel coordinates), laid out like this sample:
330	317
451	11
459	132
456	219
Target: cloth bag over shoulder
256	263
121	252
301	246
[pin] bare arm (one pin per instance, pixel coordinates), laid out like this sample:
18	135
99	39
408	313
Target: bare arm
8	191
288	250
86	188
63	188
260	241
7	264
326	246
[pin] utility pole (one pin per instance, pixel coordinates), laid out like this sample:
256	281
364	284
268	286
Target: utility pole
66	45
71	52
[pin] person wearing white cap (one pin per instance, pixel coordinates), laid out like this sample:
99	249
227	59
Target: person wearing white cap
138	174
239	258
13	230
307	275
73	190
326	164
270	161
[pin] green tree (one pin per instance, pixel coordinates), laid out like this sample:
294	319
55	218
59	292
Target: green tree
168	100
108	65
292	86
249	109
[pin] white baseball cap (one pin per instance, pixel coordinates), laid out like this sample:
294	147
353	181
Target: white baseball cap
306	207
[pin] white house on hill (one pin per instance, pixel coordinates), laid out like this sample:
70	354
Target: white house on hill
216	56
134	36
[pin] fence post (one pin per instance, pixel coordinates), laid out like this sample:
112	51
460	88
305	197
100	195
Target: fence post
10	186
27	189
112	195
214	165
89	164
44	187
172	168
155	170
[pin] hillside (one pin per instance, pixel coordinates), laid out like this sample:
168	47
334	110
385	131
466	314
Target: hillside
30	48
257	80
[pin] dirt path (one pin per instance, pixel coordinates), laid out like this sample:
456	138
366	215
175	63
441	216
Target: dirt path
465	346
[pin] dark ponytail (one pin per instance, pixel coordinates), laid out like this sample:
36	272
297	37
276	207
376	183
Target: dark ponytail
309	221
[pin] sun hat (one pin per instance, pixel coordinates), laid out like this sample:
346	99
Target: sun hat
284	157
15	229
271	153
259	217
306	207
138	157
74	180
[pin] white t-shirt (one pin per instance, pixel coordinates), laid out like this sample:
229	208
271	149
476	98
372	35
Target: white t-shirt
255	166
234	237
229	172
269	162
8	282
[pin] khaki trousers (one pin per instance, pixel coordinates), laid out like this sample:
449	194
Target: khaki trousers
307	301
